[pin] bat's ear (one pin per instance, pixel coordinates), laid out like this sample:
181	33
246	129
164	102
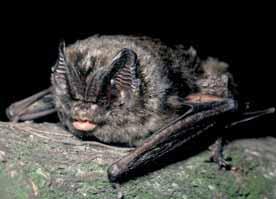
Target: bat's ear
124	71
60	65
59	72
61	50
65	74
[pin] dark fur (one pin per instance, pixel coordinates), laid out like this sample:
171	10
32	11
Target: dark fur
167	75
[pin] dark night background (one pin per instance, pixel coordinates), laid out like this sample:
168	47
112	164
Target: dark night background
242	37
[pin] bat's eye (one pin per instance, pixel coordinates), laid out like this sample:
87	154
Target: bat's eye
75	98
92	100
112	82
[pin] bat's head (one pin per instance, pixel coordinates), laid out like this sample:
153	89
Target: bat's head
87	89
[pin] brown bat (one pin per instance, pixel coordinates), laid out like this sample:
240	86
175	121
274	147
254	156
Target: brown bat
137	91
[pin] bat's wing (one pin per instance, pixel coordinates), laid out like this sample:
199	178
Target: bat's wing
33	107
198	119
205	112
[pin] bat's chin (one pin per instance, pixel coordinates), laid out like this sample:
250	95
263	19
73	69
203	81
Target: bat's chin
84	125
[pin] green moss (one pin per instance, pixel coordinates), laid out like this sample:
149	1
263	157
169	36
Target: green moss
39	177
12	188
191	179
195	179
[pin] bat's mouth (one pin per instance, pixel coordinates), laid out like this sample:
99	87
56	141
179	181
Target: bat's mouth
84	125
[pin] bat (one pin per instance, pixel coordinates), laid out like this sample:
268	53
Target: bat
138	92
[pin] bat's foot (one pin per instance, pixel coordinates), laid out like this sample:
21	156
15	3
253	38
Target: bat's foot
120	194
217	156
221	162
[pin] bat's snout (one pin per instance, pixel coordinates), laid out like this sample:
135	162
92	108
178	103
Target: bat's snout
82	114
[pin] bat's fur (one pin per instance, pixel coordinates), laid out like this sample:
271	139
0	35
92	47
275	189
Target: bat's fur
167	75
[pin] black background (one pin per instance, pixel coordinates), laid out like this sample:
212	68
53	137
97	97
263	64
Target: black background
244	37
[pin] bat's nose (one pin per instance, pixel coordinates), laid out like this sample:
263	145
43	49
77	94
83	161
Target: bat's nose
82	115
80	112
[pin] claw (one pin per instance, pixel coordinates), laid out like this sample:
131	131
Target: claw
221	162
117	187
217	156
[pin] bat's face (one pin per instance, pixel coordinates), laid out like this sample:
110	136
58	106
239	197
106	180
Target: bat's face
89	109
91	97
